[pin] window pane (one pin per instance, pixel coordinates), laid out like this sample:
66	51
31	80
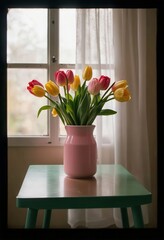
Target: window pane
67	36
22	107
27	36
62	129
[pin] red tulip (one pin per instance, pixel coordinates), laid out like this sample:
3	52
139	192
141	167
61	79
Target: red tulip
61	78
70	76
104	82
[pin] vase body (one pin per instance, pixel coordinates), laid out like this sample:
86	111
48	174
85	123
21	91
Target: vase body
80	151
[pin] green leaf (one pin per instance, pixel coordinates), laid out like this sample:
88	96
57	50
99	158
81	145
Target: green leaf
63	112
107	112
94	111
70	110
96	99
83	108
76	105
46	107
69	96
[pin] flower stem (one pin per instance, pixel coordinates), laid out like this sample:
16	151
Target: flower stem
107	90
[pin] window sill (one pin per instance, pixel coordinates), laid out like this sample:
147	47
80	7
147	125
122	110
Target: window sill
35	141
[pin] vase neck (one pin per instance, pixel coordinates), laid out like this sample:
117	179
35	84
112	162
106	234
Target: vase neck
79	129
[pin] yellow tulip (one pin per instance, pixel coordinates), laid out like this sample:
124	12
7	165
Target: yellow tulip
119	84
54	112
38	91
74	86
52	88
87	73
122	94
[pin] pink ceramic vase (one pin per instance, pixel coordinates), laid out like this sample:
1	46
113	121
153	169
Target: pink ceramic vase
80	151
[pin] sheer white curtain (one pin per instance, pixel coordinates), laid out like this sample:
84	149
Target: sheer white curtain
135	122
125	137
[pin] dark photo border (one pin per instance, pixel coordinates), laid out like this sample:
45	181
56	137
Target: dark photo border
149	233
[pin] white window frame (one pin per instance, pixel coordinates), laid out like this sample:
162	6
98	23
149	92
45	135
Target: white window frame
53	138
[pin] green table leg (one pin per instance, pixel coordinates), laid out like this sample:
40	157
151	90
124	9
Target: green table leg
47	218
137	217
31	218
124	216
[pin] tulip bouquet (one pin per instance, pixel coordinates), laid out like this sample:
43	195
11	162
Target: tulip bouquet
80	103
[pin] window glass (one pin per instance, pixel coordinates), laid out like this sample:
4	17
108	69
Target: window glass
67	36
27	46
27	36
22	107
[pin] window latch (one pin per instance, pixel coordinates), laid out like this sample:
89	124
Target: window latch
54	59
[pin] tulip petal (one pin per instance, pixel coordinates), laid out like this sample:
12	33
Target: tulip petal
76	83
54	112
52	88
119	84
87	73
94	86
38	91
122	94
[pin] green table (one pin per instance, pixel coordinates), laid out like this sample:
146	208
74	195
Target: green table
47	187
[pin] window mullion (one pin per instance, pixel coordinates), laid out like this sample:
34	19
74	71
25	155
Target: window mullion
53	56
27	65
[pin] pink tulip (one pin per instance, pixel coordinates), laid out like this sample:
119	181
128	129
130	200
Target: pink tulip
70	76
104	82
94	86
61	78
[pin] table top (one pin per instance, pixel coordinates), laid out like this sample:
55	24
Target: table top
48	187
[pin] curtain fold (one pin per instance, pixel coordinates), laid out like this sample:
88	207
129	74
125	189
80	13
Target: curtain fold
132	132
115	43
132	136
